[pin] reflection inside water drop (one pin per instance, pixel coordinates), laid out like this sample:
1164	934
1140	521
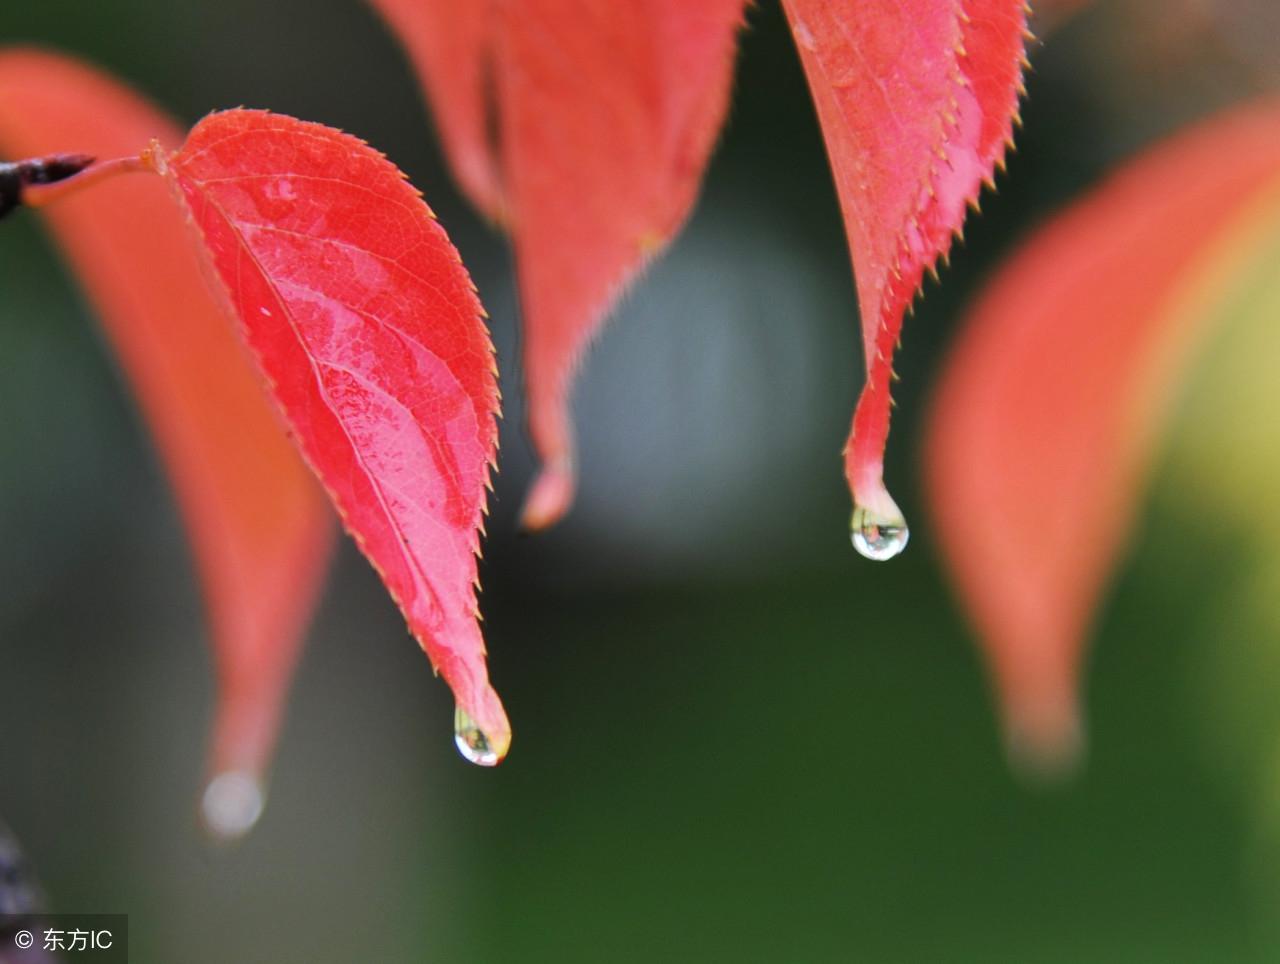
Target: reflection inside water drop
876	537
472	743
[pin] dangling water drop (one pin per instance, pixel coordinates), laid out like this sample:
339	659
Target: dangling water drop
472	743
232	804
878	537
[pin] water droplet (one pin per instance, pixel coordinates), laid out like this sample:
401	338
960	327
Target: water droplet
803	35
472	743
232	804
878	537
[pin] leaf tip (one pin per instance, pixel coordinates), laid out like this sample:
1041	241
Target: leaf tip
549	497
1044	738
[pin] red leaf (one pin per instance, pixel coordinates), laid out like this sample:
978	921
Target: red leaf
1048	411
606	114
368	327
258	523
916	99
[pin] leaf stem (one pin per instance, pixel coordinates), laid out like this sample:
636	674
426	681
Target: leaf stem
38	195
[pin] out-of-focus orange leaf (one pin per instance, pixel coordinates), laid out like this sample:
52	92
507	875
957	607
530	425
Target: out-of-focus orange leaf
368	328
917	99
605	114
258	524
1050	405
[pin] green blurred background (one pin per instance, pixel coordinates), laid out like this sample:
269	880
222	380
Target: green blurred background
736	740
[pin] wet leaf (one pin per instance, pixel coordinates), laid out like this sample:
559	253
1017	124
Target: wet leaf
1051	403
258	524
368	328
605	115
916	100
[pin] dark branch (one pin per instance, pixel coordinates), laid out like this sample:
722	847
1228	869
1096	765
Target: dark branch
39	170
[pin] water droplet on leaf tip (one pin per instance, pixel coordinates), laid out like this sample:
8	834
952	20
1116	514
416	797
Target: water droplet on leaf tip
472	743
232	804
876	537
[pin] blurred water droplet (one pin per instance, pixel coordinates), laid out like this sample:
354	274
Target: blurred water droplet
19	892
472	743
232	804
803	35
877	537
